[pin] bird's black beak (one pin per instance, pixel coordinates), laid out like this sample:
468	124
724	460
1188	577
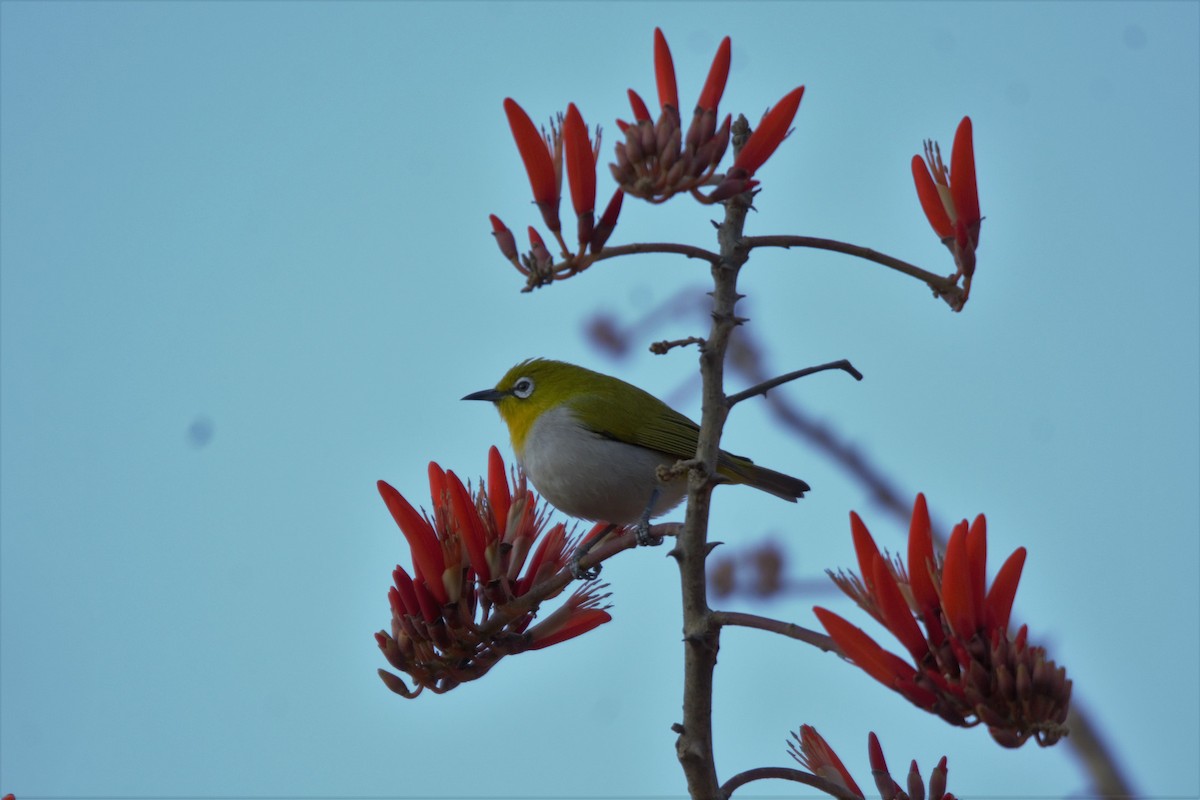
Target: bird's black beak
493	395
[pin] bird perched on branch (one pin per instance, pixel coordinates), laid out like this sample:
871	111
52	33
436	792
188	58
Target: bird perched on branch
592	444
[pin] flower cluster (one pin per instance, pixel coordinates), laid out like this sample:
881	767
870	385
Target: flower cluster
656	161
950	199
813	753
467	603
966	667
543	153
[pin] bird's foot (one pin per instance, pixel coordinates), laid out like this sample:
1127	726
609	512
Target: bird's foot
580	572
646	537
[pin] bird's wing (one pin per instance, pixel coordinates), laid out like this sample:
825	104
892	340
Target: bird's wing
672	433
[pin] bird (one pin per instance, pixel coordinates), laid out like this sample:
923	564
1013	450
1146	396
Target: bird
592	444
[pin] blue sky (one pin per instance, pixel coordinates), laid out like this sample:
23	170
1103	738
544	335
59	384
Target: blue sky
246	270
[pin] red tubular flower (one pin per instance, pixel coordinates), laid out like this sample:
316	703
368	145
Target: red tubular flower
540	258
769	134
640	112
966	666
505	240
815	755
763	142
718	74
545	178
450	619
950	199
607	223
664	73
581	170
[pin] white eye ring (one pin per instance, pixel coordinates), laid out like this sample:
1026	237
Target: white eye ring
523	388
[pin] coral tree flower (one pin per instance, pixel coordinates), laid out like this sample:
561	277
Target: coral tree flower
474	555
658	160
775	127
966	667
814	754
542	155
950	199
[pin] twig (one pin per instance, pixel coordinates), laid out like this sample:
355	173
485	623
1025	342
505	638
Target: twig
543	275
787	774
767	386
944	287
788	629
654	247
663	347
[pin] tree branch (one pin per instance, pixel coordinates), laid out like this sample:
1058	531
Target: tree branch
654	247
785	774
701	637
789	629
767	386
944	287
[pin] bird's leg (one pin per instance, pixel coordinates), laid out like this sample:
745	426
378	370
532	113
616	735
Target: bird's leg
642	531
577	570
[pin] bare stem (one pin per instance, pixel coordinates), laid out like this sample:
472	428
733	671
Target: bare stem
789	629
944	287
575	264
654	247
785	774
663	347
767	386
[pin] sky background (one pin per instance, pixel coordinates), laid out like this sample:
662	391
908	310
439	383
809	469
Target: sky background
246	270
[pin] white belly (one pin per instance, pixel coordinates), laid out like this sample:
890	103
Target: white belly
590	477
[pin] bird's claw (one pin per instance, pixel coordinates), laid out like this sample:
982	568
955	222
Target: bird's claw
582	573
645	537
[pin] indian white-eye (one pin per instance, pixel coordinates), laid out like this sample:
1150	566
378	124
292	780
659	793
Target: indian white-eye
592	444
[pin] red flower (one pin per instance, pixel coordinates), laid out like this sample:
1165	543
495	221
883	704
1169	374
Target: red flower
608	221
542	155
815	755
472	557
581	169
657	160
505	240
950	199
775	126
966	668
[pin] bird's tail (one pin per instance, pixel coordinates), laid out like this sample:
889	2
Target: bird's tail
742	470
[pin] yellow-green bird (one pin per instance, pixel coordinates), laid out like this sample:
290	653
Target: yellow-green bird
592	444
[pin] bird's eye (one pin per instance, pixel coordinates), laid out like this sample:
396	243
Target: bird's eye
523	388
